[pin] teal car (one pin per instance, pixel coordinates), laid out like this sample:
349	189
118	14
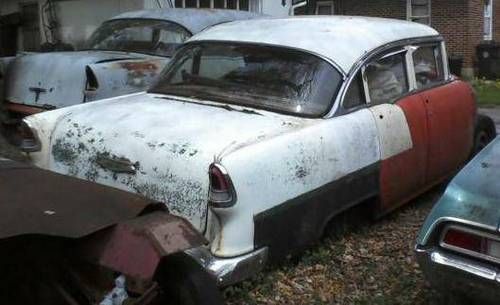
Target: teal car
458	247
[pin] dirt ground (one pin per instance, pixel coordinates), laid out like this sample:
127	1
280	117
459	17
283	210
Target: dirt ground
373	264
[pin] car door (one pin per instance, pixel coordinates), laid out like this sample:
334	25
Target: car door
449	109
402	128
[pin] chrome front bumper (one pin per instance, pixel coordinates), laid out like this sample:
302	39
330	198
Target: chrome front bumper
460	275
228	271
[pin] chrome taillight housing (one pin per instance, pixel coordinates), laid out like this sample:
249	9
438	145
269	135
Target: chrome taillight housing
471	242
221	190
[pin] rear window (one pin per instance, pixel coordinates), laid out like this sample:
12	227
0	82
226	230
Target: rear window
271	78
155	37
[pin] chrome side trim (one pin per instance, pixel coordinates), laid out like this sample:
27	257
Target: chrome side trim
477	270
228	271
427	257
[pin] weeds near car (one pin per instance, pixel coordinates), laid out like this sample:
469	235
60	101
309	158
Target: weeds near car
488	91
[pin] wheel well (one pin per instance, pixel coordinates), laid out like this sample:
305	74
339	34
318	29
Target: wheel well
354	217
484	122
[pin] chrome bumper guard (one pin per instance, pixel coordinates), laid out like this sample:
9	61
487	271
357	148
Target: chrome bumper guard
470	277
228	271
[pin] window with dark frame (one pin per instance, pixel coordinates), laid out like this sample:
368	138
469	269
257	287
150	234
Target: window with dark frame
242	5
488	20
325	8
30	26
419	11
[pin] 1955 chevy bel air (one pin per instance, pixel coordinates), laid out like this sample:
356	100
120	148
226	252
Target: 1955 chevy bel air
125	54
261	131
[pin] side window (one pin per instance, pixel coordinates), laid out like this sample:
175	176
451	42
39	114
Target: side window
387	78
355	95
428	64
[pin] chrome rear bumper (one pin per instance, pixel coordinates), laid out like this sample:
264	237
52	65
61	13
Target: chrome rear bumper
228	271
460	275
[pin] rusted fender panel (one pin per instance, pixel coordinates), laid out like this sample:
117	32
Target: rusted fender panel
35	201
124	77
137	246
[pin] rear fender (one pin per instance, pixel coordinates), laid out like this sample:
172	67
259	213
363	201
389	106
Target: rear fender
136	247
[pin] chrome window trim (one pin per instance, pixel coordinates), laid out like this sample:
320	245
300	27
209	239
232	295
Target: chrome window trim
444	65
338	109
410	67
384	56
469	230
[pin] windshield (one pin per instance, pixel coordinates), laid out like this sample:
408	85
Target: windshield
271	78
154	37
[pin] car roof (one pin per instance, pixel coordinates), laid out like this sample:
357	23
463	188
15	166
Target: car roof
341	39
194	20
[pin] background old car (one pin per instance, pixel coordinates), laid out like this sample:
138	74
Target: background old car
124	55
458	247
66	241
261	131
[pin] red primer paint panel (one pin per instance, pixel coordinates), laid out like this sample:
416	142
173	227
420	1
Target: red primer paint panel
404	174
451	111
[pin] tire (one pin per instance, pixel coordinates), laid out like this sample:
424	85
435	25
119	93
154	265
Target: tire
484	133
185	282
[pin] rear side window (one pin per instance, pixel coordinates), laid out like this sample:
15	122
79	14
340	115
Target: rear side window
387	78
355	95
428	65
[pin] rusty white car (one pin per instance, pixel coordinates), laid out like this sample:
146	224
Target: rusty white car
124	55
260	132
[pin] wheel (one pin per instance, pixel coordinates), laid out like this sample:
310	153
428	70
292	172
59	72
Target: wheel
185	282
484	133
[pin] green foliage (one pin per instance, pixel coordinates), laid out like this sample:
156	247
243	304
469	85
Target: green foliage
488	91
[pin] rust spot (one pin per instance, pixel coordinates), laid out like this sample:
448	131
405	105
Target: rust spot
141	66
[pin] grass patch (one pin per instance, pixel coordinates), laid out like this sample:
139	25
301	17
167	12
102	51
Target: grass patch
488	92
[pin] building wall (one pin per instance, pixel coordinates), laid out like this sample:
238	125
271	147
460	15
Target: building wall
459	21
373	8
496	20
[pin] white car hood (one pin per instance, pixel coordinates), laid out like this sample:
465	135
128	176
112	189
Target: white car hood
170	142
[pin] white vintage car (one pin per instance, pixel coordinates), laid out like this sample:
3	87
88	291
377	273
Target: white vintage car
261	131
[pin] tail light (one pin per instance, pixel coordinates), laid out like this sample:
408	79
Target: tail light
26	139
472	242
221	190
